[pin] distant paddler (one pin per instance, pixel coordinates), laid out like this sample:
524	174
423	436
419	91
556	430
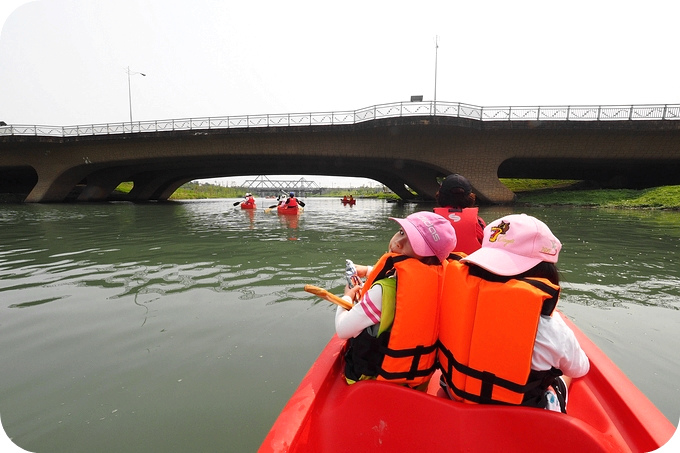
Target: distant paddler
248	202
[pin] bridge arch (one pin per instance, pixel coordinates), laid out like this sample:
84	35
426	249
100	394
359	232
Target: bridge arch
16	182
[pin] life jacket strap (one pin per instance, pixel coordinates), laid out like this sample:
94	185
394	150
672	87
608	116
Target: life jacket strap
416	353
388	268
550	303
489	381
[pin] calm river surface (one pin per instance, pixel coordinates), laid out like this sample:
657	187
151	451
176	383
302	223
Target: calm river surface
183	326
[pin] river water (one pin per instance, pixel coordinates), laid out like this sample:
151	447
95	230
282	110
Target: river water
183	326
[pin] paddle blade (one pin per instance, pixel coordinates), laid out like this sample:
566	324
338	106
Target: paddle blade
237	203
330	297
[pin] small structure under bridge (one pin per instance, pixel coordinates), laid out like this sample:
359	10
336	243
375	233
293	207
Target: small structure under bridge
267	187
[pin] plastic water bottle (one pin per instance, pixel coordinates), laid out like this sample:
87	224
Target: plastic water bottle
351	274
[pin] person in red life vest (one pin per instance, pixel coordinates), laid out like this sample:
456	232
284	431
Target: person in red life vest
291	202
456	202
500	339
392	329
249	201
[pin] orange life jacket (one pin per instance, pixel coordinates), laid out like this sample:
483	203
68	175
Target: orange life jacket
291	203
404	352
465	222
487	334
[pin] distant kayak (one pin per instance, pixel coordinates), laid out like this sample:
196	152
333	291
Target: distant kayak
606	412
351	202
248	206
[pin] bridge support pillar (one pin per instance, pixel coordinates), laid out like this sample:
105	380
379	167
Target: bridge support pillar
54	183
101	184
155	186
485	183
422	180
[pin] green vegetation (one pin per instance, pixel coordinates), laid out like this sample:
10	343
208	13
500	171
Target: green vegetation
363	192
526	185
566	193
194	191
536	192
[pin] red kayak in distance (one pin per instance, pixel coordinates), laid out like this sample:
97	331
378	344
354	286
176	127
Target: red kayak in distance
248	206
606	412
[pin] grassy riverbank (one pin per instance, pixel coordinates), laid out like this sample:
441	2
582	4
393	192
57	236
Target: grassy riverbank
196	191
569	193
530	192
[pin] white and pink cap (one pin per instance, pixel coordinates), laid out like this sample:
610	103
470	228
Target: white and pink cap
514	244
429	234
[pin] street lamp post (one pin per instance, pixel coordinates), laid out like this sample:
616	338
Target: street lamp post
436	51
129	73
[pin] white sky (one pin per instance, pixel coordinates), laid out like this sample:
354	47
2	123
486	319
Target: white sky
62	62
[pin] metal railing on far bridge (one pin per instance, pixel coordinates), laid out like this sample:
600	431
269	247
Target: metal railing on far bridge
392	110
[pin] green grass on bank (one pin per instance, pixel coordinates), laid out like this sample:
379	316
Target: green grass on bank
528	185
537	192
566	193
195	191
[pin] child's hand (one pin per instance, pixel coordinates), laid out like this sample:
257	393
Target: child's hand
352	293
361	270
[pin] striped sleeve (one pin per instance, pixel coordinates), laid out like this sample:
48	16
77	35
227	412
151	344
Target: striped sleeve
367	312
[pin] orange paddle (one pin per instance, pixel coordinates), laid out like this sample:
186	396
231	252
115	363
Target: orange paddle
330	297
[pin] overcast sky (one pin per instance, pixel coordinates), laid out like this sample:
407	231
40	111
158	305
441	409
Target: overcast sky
63	62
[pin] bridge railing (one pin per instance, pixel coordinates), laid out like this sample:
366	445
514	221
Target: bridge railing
391	110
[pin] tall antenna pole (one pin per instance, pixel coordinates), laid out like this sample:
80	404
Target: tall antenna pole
436	51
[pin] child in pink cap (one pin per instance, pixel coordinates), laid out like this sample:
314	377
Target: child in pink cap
377	326
500	341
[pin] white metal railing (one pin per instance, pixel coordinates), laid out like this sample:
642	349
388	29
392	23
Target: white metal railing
392	110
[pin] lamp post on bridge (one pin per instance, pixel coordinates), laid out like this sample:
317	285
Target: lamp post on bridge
436	52
129	73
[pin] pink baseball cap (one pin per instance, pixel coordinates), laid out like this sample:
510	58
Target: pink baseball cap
429	234
514	244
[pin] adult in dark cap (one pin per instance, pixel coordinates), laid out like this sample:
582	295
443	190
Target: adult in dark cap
456	202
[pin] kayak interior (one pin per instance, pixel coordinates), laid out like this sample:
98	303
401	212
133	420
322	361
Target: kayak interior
606	413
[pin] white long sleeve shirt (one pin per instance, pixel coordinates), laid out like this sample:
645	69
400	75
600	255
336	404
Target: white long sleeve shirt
365	313
557	346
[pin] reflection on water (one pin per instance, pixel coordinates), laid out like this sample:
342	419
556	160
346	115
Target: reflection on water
185	326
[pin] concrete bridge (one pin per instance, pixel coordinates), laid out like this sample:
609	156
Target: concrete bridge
405	145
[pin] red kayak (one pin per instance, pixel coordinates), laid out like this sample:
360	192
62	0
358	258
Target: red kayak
283	209
606	413
248	205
